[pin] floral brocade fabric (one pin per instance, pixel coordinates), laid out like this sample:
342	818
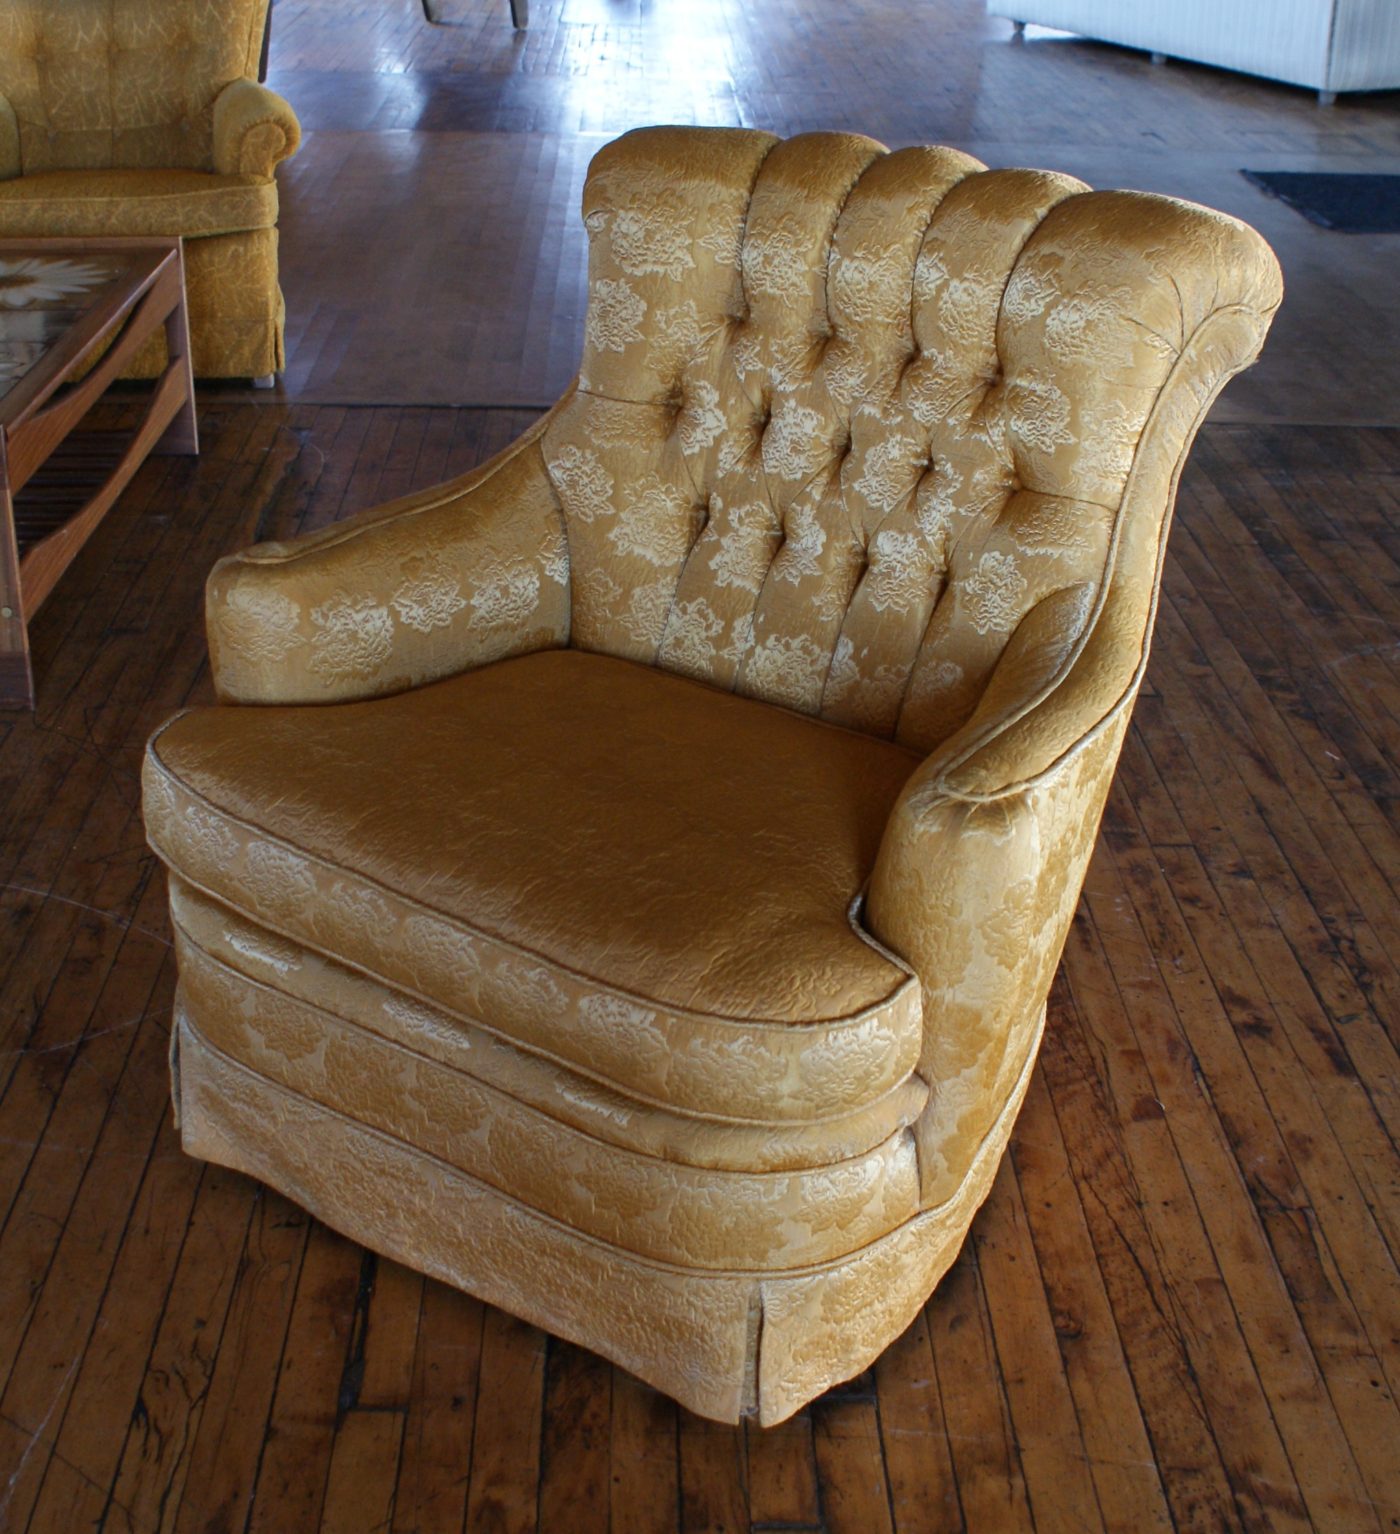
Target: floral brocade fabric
141	118
164	63
671	972
846	418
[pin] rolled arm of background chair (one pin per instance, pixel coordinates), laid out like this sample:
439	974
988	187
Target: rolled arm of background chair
426	587
9	142
254	129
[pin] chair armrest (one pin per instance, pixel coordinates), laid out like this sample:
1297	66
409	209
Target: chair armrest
977	895
9	142
254	129
980	868
437	583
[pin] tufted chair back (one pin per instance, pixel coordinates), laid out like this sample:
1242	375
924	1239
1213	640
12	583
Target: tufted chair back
857	432
101	84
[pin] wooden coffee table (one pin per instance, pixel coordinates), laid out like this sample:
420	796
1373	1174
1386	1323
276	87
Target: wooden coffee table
61	303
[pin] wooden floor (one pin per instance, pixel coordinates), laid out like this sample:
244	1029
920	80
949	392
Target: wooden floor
442	167
1179	1308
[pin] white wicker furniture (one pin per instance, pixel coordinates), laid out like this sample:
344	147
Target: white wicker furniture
1328	45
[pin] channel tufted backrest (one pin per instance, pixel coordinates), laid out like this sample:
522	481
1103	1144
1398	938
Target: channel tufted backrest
856	431
96	84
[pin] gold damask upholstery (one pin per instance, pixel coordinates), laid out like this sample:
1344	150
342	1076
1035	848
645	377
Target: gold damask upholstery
137	117
625	882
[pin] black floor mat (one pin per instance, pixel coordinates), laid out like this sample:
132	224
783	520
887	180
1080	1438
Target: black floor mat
1350	204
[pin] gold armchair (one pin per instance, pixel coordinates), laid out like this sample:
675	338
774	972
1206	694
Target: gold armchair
139	117
626	882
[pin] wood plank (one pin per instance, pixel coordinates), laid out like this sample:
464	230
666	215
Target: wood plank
89	1443
855	1494
228	1439
364	1470
1316	1449
575	1463
1127	1480
64	1306
1111	1002
301	1429
645	1447
1120	1218
1054	1456
713	1482
147	1490
918	1461
1295	1170
982	1441
383	1369
431	1492
782	1470
504	1494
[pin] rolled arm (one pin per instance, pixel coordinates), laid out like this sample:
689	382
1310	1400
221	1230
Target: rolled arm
254	130
982	861
984	856
440	582
977	895
9	141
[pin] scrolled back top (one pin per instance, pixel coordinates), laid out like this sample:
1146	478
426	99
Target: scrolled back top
848	418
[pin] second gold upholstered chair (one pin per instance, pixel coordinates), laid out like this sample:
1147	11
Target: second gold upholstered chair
626	882
141	117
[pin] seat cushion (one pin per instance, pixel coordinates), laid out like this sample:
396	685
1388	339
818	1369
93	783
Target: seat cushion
135	202
635	875
289	999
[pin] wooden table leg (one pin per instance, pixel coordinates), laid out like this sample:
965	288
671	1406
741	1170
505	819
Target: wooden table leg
266	42
520	13
16	677
182	435
430	11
